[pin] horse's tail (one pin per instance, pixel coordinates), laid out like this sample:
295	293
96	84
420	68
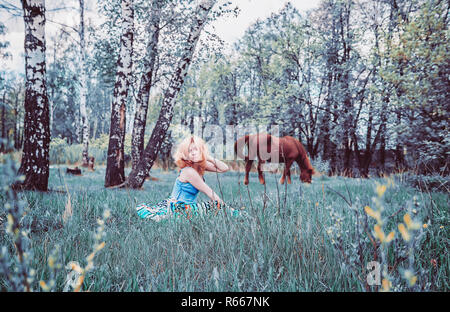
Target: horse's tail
237	151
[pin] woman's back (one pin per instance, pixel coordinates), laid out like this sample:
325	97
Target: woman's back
184	191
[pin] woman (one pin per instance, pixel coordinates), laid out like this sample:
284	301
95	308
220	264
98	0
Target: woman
193	159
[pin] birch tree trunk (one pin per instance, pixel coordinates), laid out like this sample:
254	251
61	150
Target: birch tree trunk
83	91
137	176
35	155
140	117
2	145
348	122
16	112
115	169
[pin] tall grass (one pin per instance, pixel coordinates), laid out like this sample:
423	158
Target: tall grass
298	237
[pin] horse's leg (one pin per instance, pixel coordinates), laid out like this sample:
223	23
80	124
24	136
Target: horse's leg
283	177
288	171
248	166
260	174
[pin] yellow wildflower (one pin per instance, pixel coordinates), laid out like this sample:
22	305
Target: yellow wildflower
44	286
10	222
379	233
74	266
386	285
404	232
390	237
425	225
412	279
106	214
90	257
79	283
410	223
100	246
380	190
51	262
407	219
441	227
374	214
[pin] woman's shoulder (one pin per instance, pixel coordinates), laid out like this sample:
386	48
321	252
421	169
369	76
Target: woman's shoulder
188	173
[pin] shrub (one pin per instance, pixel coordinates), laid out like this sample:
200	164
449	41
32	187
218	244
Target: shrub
428	183
62	153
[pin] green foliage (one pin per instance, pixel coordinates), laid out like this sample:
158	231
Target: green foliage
418	68
101	142
3	44
57	150
15	253
63	153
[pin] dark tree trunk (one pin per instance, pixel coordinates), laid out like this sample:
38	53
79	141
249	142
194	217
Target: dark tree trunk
140	117
2	147
399	154
115	165
16	132
35	158
84	120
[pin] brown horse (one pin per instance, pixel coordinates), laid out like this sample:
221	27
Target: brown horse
275	150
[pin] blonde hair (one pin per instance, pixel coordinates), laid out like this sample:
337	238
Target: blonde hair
182	152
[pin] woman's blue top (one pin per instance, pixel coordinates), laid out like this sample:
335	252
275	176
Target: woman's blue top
184	192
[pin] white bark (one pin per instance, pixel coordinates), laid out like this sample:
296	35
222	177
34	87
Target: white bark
35	164
141	109
137	176
83	88
115	160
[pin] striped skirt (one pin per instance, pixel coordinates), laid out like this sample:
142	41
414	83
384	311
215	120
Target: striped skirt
166	208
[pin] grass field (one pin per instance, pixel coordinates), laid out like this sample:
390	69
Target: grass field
317	237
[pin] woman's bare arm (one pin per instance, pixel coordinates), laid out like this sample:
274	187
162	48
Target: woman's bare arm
192	176
216	165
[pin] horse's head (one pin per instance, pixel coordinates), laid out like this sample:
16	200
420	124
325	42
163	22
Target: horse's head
305	175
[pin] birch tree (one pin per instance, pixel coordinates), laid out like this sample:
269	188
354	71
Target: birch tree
138	175
35	155
83	89
115	171
137	138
